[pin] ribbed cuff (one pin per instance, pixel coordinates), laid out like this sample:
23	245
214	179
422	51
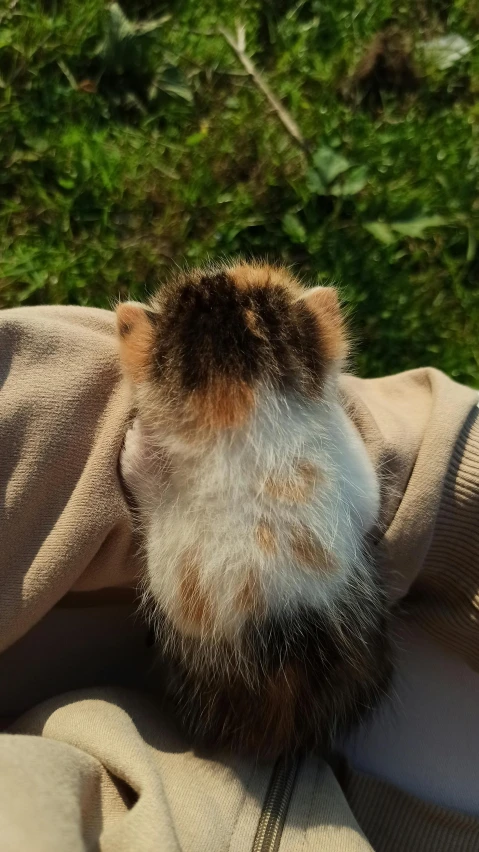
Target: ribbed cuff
394	821
445	596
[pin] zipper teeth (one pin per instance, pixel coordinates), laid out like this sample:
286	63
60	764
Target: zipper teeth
273	815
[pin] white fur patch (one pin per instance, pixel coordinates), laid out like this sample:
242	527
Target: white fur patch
209	500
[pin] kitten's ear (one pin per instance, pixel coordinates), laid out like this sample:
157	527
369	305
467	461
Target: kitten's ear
323	300
137	336
324	303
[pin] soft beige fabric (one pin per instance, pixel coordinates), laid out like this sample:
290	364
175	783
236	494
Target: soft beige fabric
64	413
425	738
102	768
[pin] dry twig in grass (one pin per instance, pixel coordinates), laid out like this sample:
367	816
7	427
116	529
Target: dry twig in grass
238	44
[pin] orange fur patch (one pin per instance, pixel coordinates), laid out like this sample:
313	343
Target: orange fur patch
265	537
247	275
195	606
250	599
296	489
254	324
309	550
136	337
308	473
324	303
224	405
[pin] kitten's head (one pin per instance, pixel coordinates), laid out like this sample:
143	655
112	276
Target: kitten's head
209	339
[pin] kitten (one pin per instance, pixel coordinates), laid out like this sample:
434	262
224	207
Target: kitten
255	495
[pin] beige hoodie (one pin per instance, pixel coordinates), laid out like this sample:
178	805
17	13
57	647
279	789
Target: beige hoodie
102	767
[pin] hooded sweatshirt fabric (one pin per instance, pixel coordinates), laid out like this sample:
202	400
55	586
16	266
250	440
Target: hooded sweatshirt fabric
89	759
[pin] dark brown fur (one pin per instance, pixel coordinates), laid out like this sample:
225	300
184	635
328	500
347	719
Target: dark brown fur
238	326
310	679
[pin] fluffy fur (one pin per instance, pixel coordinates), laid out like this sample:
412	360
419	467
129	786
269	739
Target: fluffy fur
255	495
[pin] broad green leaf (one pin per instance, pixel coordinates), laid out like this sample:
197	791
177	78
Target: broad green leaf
329	164
120	29
195	139
119	25
6	38
381	231
38	143
180	90
152	24
66	183
315	183
293	228
446	51
352	183
23	157
416	227
171	81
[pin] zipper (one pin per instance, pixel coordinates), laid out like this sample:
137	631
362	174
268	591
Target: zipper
273	816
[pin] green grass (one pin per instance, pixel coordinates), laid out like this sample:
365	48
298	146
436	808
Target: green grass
131	145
